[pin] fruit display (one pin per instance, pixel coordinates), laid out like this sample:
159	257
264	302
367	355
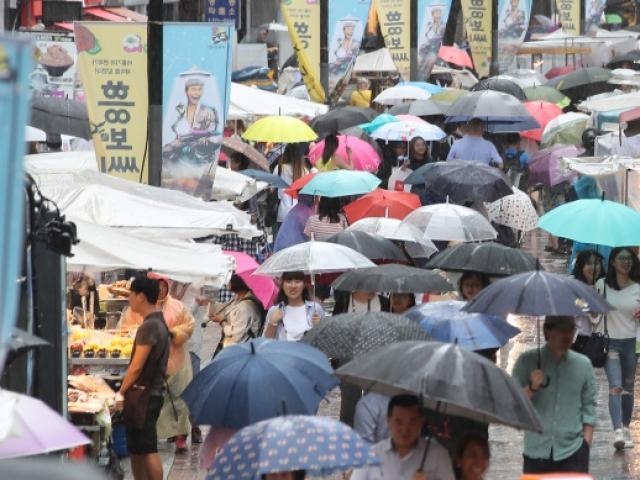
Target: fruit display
87	343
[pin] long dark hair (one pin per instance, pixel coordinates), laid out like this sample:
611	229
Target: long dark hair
583	258
330	147
484	280
282	297
292	155
412	148
611	278
329	208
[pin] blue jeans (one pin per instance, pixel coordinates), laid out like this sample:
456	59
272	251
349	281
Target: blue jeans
621	371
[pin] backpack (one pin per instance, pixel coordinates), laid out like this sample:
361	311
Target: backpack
512	160
257	326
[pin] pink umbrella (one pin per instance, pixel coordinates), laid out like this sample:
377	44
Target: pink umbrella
364	156
264	288
543	112
456	56
410	118
546	165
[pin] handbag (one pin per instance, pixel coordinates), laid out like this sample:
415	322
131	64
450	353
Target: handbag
596	346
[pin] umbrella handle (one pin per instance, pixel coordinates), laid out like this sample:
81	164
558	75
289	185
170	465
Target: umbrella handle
546	377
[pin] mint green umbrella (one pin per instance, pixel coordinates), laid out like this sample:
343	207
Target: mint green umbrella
601	222
377	122
612	19
341	183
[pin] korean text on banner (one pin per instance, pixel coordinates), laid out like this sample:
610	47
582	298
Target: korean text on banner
432	22
477	21
307	69
196	86
112	60
513	22
305	19
221	11
395	24
15	69
347	22
593	11
569	15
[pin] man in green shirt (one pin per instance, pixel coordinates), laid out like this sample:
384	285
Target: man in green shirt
563	390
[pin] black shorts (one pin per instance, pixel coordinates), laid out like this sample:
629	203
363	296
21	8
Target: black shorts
144	441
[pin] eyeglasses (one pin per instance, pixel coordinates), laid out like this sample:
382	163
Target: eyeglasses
624	259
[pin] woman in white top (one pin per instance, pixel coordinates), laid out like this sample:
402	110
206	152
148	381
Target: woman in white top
290	168
622	291
294	312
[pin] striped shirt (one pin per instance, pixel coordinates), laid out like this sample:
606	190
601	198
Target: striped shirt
323	229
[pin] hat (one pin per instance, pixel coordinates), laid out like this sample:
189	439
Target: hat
560	322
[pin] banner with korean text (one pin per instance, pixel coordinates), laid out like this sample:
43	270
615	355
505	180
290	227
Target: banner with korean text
305	19
112	60
593	11
569	15
432	22
513	22
395	24
477	22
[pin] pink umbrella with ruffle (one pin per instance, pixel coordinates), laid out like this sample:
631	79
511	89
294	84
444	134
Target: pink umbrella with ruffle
264	288
363	155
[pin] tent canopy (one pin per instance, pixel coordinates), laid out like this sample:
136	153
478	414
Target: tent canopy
249	102
377	61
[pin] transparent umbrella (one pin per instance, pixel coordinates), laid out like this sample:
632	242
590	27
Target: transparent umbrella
415	242
449	222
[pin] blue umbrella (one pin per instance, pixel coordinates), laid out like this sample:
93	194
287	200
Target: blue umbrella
341	183
274	180
447	322
318	445
429	87
257	380
377	122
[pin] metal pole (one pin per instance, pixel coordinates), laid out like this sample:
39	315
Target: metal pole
495	65
154	81
324	47
413	25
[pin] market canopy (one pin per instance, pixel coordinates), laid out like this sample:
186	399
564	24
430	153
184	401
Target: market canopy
249	102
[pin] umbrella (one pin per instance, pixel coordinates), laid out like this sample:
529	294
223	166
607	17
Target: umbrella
417	245
30	427
500	85
47	469
546	166
279	129
455	55
462	180
341	183
313	257
377	122
264	288
372	246
235	144
583	83
257	380
275	181
515	211
296	186
538	293
400	93
596	221
489	258
543	112
317	445
62	116
548	94
426	86
382	203
631	56
449	379
502	112
565	129
447	322
21	340
406	130
449	96
216	438
341	118
363	155
393	278
559	71
613	19
450	222
349	335
419	108
526	77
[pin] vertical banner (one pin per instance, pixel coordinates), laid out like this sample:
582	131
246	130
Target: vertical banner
395	25
569	15
305	19
477	22
513	22
593	11
347	22
54	74
15	68
112	60
196	86
221	11
432	22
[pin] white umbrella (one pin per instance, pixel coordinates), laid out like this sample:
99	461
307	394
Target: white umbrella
400	93
515	211
33	134
406	130
446	221
417	245
525	77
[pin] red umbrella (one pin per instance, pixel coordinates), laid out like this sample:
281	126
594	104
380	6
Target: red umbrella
543	112
298	185
382	203
556	72
456	56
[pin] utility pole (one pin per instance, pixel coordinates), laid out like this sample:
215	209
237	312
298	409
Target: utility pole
494	68
154	81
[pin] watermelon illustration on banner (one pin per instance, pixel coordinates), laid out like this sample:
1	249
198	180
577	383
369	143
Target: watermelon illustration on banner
477	22
513	22
432	22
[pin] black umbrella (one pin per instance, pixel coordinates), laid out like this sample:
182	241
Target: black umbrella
419	108
631	57
372	246
448	379
583	83
462	181
57	115
393	278
349	335
489	258
501	85
341	118
275	181
21	340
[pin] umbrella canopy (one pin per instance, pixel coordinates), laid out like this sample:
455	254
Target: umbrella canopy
462	180
382	203
596	221
612	19
401	93
279	129
264	288
546	166
257	380
500	85
417	245
317	445
59	115
449	96
21	340
371	245
426	86
455	55
565	129
363	155
526	77
350	335
547	94
275	181
234	143
313	257
543	112
47	469
631	57
377	122
419	108
515	211
341	118
406	130
538	293
447	322
393	278
559	71
299	184
341	183
583	83
446	221
489	258
448	378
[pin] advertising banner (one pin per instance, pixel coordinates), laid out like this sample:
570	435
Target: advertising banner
55	58
305	19
432	22
477	21
513	22
569	15
221	11
395	24
593	11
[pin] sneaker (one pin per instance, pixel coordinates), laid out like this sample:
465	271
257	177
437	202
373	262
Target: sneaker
181	444
196	435
618	442
628	441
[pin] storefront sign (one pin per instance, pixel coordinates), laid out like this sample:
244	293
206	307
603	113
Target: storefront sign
55	58
395	23
432	22
477	21
221	11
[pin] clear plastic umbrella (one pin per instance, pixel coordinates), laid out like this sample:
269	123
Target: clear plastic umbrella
398	94
515	211
446	221
416	244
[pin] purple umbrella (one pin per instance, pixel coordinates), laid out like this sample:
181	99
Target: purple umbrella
546	165
30	427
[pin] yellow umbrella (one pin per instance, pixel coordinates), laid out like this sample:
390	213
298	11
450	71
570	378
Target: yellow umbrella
280	129
448	96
